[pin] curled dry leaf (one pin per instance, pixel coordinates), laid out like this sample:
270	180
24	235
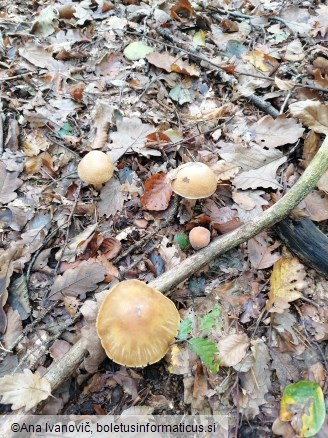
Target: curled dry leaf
261	253
313	114
59	348
157	193
232	349
286	283
24	390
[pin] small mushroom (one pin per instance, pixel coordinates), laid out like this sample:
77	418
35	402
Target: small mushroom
95	168
193	180
136	324
199	237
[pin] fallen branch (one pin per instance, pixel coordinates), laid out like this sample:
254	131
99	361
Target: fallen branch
60	371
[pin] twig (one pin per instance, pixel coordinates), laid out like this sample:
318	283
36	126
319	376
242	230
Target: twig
263	105
59	371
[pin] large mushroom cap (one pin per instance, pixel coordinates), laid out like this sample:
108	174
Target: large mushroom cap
95	168
136	324
194	180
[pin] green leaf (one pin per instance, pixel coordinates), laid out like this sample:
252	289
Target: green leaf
212	319
137	50
207	352
182	240
185	328
199	38
305	400
180	95
234	48
65	130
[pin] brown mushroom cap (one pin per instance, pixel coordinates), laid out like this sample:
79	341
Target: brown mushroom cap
194	180
199	237
136	324
95	168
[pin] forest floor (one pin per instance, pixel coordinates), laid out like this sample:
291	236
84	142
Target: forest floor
238	85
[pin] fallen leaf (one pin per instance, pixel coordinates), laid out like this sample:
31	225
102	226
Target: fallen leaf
59	348
111	198
14	328
286	283
110	247
183	67
316	206
264	176
243	200
24	390
46	22
9	183
131	134
262	61
271	133
261	253
232	349
183	8
157	193
78	281
137	50
313	114
161	60
102	117
77	245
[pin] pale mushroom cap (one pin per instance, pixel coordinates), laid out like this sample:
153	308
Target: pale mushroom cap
194	181
199	237
136	324
95	168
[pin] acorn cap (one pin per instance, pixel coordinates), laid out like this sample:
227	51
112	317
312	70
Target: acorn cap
136	324
193	180
95	168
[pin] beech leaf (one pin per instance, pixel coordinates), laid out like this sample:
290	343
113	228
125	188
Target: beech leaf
157	193
24	390
77	281
232	349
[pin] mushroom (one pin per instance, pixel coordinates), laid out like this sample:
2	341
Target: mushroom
199	237
95	168
193	180
136	324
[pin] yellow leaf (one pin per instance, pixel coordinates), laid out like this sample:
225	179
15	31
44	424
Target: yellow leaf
286	282
261	60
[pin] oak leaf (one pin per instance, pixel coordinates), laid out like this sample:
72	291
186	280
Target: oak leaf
261	253
9	183
157	193
286	283
24	390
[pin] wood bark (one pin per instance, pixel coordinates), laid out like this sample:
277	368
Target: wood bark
59	371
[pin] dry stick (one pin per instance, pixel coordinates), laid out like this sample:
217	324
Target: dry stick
61	370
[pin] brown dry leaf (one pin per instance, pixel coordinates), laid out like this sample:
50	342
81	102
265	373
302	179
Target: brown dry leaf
102	117
180	359
77	245
271	133
284	84
319	81
246	157
6	270
244	201
224	171
71	305
232	349
264	176
313	114
157	193
110	247
24	390
255	383
14	328
78	281
320	21
131	134
286	283
183	8
185	68
91	342
161	60
311	146
9	183
256	196
169	253
59	348
294	51
111	198
316	205
261	253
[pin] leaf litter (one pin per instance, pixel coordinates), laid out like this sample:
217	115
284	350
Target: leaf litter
82	78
